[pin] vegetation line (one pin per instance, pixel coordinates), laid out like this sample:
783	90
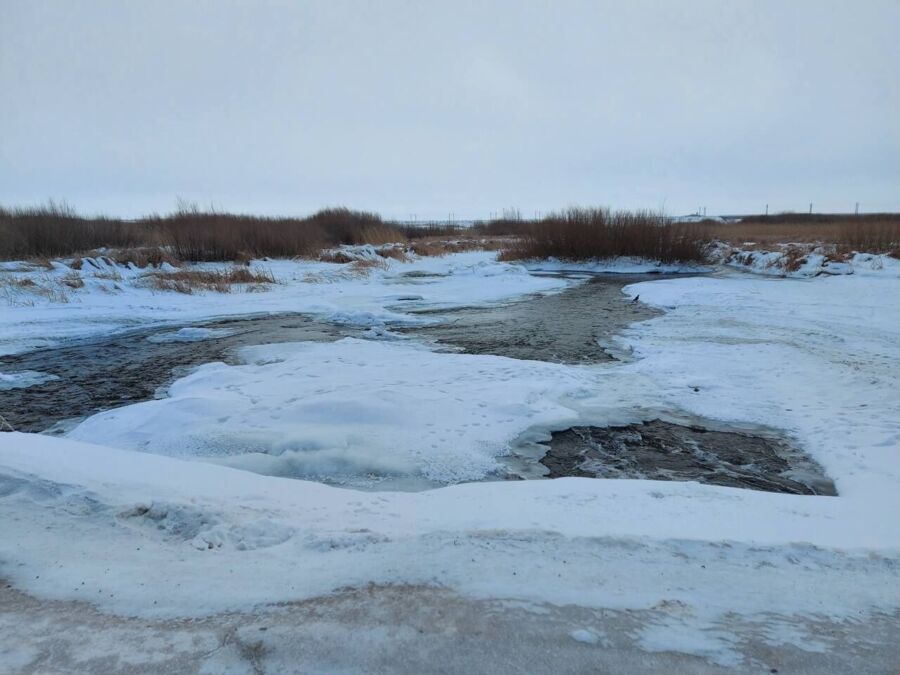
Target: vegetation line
189	234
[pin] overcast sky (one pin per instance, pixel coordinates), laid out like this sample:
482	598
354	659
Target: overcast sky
411	107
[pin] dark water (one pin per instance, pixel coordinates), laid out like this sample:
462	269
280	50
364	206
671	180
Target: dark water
574	326
100	374
661	450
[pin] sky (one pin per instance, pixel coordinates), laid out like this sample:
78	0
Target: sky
423	109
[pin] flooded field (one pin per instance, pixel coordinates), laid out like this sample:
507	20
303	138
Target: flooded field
575	326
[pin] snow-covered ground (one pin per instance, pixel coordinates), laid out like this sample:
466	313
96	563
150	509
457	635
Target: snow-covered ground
805	260
45	310
122	515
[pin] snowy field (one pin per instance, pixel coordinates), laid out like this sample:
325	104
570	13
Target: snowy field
194	505
113	297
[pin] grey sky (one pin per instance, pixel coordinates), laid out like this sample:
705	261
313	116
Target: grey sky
426	107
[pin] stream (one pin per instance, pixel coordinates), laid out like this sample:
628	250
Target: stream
575	326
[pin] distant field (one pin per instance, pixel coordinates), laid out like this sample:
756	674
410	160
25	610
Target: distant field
876	233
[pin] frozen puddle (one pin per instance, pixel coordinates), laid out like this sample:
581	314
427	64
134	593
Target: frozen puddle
659	450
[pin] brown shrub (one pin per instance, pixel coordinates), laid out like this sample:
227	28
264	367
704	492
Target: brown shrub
56	230
337	257
144	257
364	267
393	252
793	259
584	234
72	280
428	248
46	263
188	234
187	281
378	235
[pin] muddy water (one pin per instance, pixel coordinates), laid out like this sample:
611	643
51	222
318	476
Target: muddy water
100	374
660	450
575	326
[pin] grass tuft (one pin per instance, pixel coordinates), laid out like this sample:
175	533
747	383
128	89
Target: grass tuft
191	281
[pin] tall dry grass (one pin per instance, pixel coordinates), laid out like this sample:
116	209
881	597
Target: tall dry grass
220	281
872	233
590	233
192	234
871	236
189	233
55	229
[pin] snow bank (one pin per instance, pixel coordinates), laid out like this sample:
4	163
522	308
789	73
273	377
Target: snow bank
799	261
144	534
352	411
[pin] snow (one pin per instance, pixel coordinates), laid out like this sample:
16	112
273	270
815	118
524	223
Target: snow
190	334
147	510
675	635
356	411
23	379
152	536
800	261
819	359
587	636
